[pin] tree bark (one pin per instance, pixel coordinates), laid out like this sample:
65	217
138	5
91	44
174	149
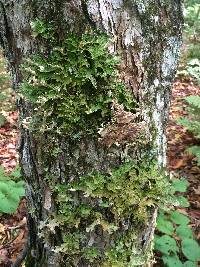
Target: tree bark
147	36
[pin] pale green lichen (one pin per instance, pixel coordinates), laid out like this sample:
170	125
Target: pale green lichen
118	202
72	86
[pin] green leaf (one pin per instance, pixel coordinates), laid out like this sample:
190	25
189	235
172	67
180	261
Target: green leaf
10	194
16	173
180	185
164	225
193	99
172	261
184	231
166	244
179	218
2	174
183	202
189	264
191	249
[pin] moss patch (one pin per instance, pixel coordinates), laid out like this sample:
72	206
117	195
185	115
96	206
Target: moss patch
116	204
73	84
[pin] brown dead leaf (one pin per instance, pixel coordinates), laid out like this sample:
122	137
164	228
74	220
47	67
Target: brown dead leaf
179	164
197	191
195	214
2	233
195	170
20	238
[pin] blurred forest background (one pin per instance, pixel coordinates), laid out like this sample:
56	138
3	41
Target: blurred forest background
178	232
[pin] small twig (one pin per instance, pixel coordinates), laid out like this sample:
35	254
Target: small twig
17	226
9	242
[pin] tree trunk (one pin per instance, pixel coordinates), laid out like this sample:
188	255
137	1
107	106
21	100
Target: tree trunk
146	35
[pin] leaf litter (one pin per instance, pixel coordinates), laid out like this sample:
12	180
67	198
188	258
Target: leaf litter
181	163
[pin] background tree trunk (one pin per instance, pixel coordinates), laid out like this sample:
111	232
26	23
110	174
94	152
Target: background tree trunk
146	35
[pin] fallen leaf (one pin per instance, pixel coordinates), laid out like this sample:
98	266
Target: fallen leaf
179	163
197	191
194	214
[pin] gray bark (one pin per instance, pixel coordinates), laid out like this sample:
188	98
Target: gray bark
147	35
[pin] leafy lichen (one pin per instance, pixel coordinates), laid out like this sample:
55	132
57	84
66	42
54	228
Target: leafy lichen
118	203
72	86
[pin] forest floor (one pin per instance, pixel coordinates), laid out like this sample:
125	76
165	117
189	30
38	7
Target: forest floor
13	231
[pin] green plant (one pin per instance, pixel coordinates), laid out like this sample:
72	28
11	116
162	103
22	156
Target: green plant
175	240
73	85
10	191
192	122
192	69
192	20
190	53
188	3
123	195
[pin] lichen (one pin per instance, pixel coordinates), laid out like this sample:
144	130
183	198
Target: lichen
72	85
118	203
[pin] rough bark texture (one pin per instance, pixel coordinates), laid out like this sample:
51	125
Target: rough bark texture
146	34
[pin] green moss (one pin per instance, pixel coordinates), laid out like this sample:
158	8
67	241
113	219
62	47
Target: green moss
128	190
91	254
119	203
72	85
124	253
